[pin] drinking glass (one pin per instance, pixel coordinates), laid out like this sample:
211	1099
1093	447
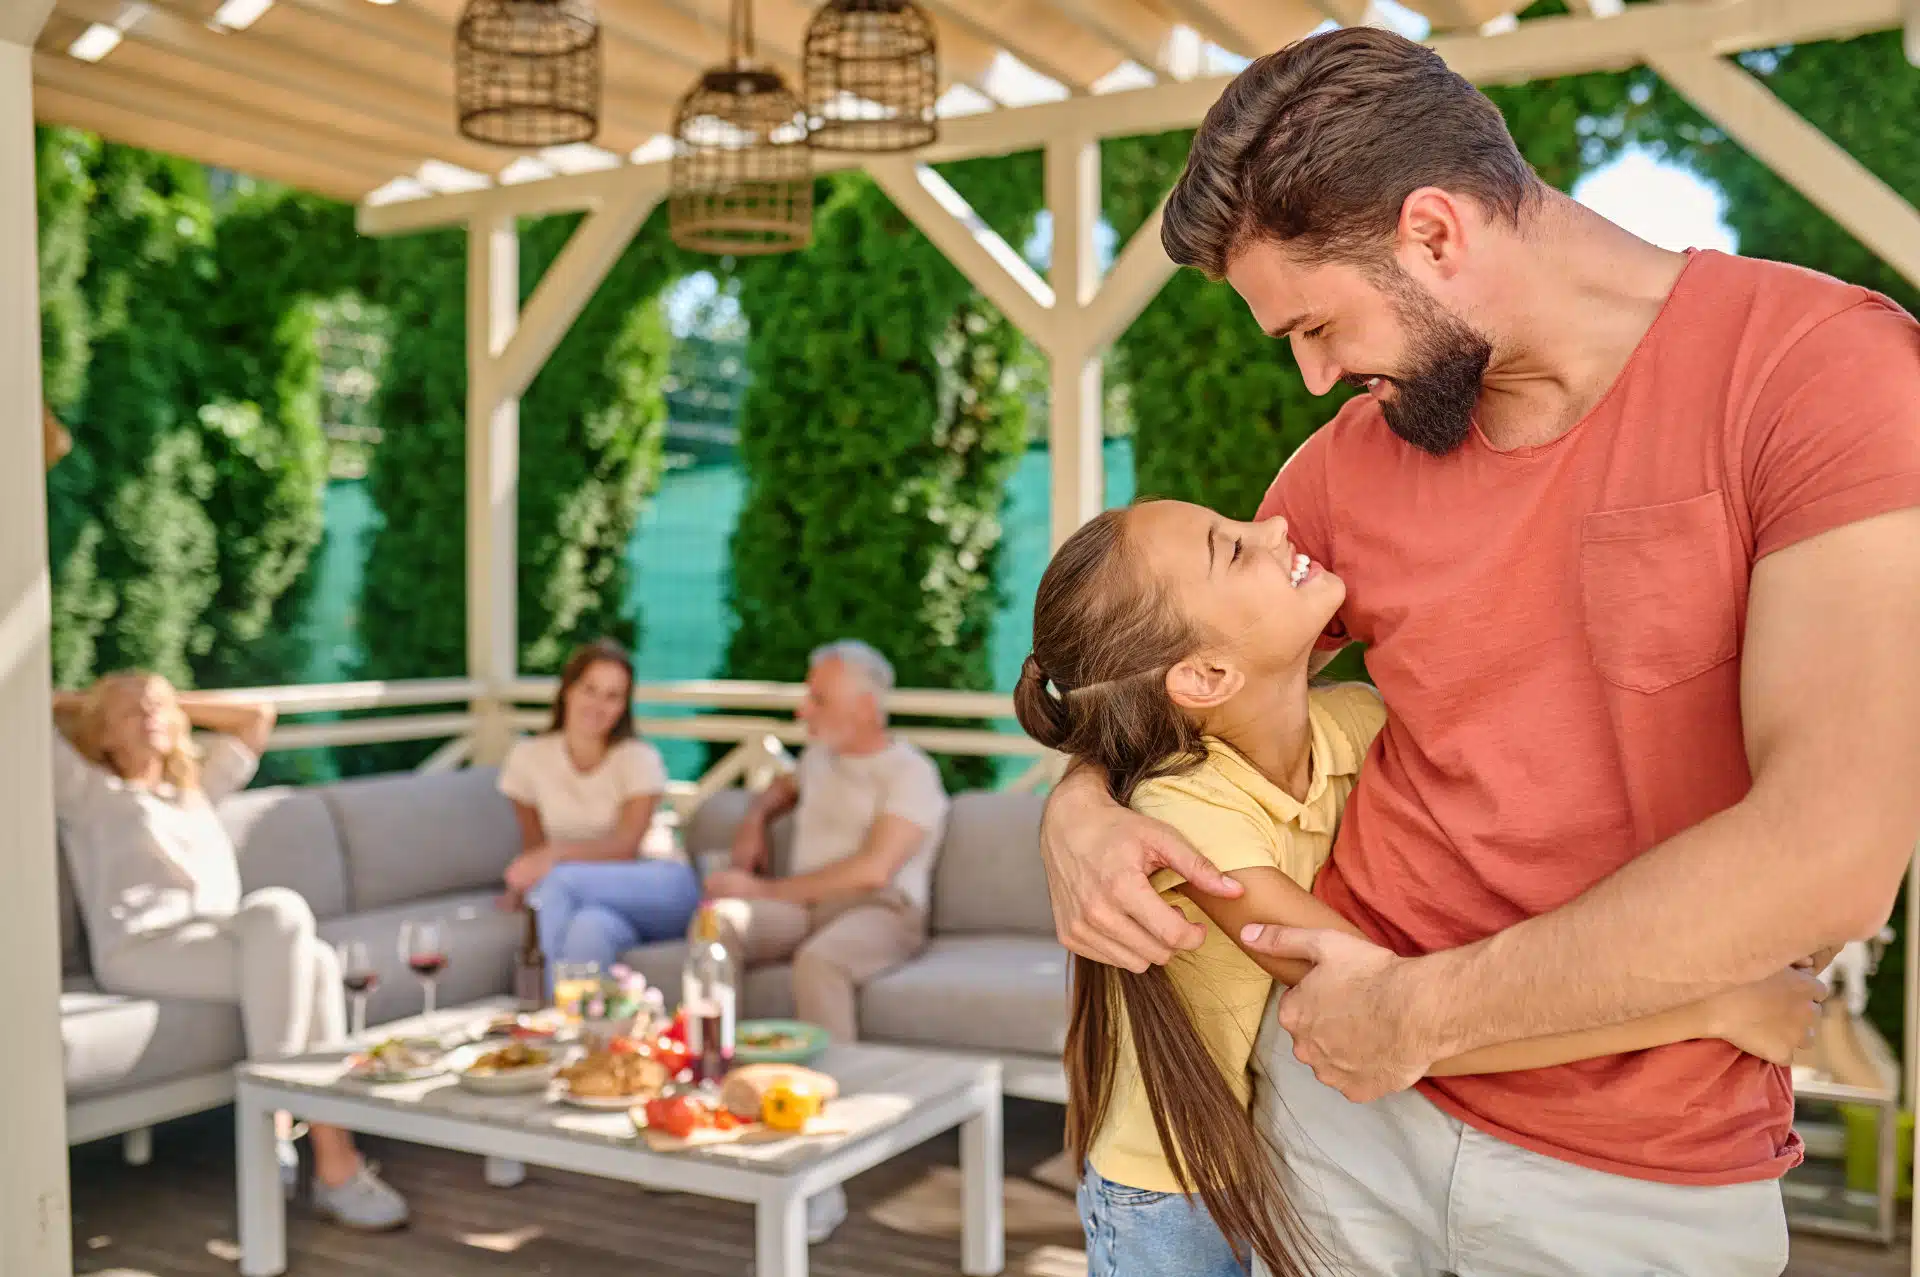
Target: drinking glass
358	975
423	946
573	984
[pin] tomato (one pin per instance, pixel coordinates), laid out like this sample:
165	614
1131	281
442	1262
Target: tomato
724	1120
673	1056
676	1115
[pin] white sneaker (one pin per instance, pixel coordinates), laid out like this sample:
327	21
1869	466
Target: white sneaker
365	1203
825	1212
288	1158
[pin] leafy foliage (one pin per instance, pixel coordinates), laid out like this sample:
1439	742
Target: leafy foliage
878	431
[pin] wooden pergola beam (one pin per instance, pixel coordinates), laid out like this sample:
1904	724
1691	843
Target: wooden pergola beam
567	286
1042	37
1807	159
1249	27
221	117
976	250
52	106
261	70
1137	31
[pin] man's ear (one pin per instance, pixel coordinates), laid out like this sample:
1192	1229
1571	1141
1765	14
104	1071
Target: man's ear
1201	683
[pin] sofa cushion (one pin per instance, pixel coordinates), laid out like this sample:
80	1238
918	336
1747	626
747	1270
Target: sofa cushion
114	1043
984	993
414	836
989	878
285	838
765	994
73	932
712	828
482	940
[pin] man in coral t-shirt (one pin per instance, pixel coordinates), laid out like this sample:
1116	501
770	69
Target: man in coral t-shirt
1633	540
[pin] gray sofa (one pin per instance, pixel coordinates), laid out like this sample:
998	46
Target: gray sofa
367	855
370	854
992	979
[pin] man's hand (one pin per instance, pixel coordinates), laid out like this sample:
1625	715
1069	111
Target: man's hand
1351	1019
749	845
1099	856
734	884
529	867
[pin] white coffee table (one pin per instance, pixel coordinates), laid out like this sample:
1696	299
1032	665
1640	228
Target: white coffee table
890	1101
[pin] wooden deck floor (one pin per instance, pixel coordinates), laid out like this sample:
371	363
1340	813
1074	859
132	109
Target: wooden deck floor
175	1218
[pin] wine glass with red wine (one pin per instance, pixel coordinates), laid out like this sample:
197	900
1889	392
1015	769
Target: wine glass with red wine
423	946
358	975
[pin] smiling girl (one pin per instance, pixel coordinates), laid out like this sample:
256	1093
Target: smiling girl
1171	654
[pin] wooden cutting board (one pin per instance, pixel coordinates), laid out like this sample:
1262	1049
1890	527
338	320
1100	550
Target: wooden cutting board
746	1133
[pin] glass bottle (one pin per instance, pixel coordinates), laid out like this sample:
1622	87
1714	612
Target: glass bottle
530	967
707	993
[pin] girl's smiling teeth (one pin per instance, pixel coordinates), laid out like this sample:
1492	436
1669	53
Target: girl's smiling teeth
1301	566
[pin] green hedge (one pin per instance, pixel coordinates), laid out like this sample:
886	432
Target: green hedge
879	428
591	426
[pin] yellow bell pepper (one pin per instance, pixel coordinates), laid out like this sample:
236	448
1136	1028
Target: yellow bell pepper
787	1105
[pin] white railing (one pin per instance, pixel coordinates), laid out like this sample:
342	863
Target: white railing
448	712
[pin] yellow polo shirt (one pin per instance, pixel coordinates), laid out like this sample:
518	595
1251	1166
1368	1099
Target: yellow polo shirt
1238	819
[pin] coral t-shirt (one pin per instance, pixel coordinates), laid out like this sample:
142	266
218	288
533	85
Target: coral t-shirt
1557	631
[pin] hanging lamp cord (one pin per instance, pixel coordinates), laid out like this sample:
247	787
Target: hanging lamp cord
740	32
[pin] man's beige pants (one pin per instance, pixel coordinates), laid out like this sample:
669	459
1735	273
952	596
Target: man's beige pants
835	947
1397	1188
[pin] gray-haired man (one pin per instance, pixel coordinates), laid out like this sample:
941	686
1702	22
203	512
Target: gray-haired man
871	809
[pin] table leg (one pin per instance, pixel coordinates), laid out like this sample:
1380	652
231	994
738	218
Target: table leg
780	1236
983	1233
263	1208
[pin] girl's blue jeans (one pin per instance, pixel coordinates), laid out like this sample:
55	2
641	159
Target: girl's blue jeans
1132	1232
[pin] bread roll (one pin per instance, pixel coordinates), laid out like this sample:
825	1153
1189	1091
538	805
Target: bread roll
748	1084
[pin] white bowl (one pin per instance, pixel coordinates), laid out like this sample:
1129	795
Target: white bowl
535	1077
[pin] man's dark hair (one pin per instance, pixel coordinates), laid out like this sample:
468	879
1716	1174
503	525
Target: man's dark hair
1318	146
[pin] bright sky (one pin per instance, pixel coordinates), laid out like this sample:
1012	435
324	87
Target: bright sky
1658	202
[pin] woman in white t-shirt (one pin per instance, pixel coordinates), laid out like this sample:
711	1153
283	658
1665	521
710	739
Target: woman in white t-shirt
602	876
159	888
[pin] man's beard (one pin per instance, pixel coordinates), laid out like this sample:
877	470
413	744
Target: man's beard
1432	406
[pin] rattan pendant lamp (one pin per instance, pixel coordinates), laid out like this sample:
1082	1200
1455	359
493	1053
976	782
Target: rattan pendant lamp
742	176
873	77
527	72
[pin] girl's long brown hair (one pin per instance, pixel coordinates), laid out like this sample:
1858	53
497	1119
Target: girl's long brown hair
1094	688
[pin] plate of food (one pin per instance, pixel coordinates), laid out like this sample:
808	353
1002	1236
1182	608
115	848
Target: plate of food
778	1042
536	1027
610	1079
510	1068
398	1060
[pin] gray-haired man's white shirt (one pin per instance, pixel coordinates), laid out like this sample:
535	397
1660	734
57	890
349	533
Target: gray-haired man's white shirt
842	795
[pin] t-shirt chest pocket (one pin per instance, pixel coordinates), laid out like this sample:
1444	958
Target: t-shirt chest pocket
1659	591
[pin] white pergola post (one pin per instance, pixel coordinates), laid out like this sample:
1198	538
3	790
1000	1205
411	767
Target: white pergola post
36	1232
1072	318
505	351
1075	427
493	476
